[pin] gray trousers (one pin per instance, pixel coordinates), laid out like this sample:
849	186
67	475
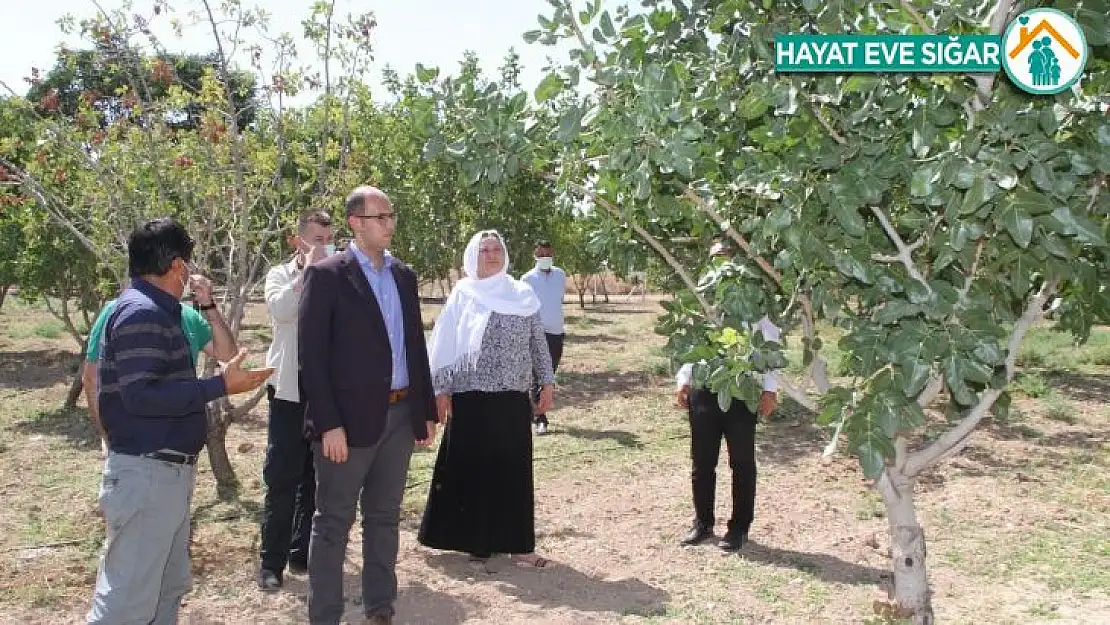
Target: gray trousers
373	478
144	570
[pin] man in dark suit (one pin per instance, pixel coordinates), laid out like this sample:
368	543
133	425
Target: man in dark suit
368	398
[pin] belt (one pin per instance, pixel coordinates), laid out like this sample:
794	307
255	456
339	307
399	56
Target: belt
171	456
398	394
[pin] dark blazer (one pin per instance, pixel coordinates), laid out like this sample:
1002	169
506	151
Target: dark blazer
346	363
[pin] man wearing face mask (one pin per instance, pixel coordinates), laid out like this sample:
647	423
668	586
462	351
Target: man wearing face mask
290	480
550	283
205	330
153	410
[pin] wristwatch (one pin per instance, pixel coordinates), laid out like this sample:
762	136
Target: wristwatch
209	306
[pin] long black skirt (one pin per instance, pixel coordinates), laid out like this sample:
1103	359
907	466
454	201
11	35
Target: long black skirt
481	499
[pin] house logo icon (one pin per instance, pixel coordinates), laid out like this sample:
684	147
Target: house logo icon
1044	51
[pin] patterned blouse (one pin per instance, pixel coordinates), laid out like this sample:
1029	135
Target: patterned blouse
512	348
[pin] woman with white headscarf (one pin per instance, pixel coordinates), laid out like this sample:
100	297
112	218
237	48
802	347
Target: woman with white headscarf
486	343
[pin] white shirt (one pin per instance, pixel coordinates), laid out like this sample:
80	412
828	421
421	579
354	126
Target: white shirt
283	295
550	286
771	332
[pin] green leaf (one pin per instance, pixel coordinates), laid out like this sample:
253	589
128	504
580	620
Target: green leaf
1084	230
871	456
570	125
426	74
988	352
811	6
916	377
607	25
1047	120
532	36
1032	203
849	218
641	182
753	105
981	192
548	88
921	183
894	310
964	175
598	37
1042	177
954	374
1019	225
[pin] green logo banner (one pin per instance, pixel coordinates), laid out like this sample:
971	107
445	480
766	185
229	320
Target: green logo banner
888	53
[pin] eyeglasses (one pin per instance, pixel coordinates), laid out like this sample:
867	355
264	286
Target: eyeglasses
380	217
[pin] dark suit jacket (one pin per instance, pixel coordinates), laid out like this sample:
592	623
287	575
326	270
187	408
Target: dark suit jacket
346	362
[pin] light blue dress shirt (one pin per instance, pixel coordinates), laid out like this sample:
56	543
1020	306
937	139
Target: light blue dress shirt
389	300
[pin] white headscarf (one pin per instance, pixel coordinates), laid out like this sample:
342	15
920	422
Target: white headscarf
456	339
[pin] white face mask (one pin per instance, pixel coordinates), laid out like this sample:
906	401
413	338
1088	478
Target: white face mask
329	249
545	263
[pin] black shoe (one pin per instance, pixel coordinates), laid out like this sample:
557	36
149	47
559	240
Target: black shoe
298	565
699	532
269	580
733	541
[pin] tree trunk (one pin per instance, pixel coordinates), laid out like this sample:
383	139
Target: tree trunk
76	386
911	594
227	485
4	294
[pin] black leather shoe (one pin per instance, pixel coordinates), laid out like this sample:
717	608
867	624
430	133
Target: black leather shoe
380	619
699	532
269	580
298	565
733	541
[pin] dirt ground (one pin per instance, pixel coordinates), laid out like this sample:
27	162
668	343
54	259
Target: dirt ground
1017	525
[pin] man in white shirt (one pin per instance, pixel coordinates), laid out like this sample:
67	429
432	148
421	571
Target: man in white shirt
708	424
288	474
550	283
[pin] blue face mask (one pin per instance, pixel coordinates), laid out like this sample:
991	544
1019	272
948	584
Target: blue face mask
545	263
329	249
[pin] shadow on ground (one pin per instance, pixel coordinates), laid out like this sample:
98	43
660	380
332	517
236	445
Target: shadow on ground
73	425
621	437
37	369
579	389
558	586
828	568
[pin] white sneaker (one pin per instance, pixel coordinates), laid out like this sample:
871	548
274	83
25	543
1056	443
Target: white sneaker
541	428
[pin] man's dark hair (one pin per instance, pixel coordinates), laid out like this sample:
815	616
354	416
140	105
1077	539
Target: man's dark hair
153	246
320	218
543	243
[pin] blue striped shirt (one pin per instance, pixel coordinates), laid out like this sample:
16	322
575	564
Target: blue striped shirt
150	398
389	300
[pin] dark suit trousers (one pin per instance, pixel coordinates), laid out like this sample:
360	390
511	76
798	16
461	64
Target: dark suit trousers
290	487
373	478
737	426
555	348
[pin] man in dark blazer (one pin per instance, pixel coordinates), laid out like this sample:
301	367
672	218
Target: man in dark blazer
368	398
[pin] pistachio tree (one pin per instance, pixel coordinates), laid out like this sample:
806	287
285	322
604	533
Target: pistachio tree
125	157
931	217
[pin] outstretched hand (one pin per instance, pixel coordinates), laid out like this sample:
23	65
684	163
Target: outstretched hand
238	380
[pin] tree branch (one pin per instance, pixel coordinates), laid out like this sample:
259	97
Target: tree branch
932	389
954	440
839	138
645	235
904	251
985	82
242	410
818	370
917	17
970	277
